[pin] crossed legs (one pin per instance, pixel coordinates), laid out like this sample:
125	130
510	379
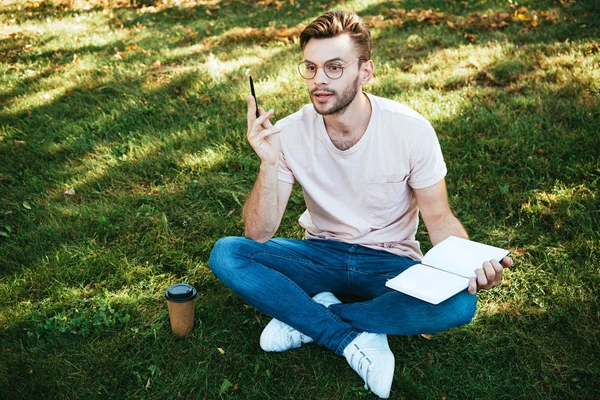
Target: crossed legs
281	276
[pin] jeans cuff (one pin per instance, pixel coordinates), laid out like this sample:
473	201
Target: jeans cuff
342	346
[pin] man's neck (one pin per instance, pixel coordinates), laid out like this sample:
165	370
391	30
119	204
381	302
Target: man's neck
347	128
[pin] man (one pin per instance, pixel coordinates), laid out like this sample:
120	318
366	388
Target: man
367	167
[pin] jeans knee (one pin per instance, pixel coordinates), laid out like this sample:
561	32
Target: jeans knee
465	309
222	260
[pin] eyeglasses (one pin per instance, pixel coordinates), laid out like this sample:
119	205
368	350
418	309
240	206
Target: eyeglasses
333	69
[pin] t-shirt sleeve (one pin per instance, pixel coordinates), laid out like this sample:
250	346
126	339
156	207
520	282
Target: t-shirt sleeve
284	173
427	162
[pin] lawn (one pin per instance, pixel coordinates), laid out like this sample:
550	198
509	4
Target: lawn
123	159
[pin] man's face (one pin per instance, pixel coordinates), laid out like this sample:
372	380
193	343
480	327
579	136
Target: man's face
332	96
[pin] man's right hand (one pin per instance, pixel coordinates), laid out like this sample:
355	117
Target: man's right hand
262	135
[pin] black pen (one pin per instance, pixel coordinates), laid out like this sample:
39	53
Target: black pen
254	95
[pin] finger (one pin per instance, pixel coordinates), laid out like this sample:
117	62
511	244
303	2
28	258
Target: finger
259	138
499	270
507	262
481	279
270	132
260	125
267	124
490	273
472	285
265	133
263	119
251	109
256	124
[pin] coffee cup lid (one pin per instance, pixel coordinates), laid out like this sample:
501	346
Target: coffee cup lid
180	293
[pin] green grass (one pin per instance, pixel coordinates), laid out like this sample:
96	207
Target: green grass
123	159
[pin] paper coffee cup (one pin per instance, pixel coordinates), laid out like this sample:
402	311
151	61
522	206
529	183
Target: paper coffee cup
180	300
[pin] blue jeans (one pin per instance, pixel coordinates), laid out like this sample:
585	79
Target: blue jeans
280	277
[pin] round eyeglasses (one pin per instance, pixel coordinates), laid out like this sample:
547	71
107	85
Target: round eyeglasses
333	69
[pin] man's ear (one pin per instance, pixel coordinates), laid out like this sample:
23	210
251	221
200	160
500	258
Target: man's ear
366	72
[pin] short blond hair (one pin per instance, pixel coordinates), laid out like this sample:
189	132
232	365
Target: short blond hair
334	23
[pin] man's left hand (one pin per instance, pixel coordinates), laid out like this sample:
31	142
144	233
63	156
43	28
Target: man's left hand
489	275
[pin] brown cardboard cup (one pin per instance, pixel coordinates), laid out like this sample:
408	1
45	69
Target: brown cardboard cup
180	300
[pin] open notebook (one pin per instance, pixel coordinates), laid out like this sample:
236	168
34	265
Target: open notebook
445	270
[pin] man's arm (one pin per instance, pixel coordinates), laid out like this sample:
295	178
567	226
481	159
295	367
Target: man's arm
264	208
436	213
441	223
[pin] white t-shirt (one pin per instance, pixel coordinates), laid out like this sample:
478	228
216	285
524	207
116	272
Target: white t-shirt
363	195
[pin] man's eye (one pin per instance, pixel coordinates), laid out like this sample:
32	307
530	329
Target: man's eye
310	67
334	67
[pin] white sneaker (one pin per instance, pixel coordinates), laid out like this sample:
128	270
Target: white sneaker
278	336
370	356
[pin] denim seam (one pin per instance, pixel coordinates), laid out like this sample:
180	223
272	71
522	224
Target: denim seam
349	268
345	342
388	274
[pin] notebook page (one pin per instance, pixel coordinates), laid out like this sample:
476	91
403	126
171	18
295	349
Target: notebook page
461	256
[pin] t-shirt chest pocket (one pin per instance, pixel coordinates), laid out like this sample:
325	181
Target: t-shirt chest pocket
386	198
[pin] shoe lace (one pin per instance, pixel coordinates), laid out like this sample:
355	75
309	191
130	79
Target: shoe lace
288	337
361	361
291	339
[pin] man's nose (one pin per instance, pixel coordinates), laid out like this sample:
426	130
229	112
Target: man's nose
320	77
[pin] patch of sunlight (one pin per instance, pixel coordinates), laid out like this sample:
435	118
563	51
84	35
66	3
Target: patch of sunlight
497	308
68	27
492	308
461	62
207	159
52	87
438	106
218	69
41	98
96	164
434	104
67	293
21	30
561	192
93	169
8	132
565	68
358	6
561	195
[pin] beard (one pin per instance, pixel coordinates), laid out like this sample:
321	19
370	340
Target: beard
342	103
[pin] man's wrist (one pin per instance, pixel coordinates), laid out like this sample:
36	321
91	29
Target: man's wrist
269	169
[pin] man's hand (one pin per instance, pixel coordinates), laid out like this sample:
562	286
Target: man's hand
489	275
262	134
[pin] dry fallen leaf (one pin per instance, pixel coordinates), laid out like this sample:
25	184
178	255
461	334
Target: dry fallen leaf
118	54
70	192
221	350
426	336
471	37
